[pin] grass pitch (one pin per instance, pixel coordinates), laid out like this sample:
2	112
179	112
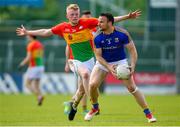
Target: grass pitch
116	110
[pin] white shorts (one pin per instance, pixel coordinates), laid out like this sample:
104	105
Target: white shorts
35	72
124	61
75	64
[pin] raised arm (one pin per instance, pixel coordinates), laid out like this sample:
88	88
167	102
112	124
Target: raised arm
131	15
22	31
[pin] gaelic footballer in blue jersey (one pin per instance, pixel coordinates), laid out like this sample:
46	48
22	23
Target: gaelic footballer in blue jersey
110	43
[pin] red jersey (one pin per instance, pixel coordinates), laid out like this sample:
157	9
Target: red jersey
36	49
78	37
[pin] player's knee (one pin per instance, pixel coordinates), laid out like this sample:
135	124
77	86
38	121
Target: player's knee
85	75
93	86
132	89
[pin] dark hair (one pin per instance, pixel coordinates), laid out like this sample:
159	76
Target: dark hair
109	16
86	12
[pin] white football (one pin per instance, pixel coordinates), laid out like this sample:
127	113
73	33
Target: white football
123	71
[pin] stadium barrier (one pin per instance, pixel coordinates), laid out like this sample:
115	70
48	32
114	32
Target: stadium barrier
51	83
63	83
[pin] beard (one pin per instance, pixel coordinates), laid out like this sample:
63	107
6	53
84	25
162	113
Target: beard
106	27
102	29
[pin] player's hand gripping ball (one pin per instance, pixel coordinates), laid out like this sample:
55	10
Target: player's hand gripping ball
123	71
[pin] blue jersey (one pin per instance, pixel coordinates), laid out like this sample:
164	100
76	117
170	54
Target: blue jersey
112	45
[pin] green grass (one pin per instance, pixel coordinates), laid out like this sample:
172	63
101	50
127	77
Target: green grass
116	110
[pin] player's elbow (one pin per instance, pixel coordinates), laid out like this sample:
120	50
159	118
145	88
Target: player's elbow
47	32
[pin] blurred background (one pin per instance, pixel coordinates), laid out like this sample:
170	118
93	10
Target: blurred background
155	35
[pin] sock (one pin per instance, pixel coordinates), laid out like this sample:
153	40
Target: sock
147	112
96	106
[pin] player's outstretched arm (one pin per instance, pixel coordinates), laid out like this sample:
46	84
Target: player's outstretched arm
22	31
131	15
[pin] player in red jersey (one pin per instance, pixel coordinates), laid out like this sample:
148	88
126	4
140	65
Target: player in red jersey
77	34
35	70
69	66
